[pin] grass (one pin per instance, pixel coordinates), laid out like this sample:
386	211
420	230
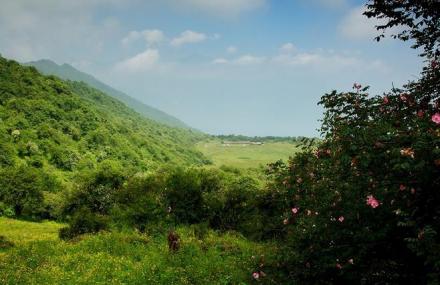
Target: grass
39	257
249	156
21	232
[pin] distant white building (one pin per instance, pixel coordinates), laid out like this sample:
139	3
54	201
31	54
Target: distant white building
241	143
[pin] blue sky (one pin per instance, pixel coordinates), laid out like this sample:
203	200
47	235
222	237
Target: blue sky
254	67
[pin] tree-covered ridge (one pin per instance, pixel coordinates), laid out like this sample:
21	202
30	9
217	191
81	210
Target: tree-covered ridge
68	72
66	126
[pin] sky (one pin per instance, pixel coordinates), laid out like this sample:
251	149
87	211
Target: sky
252	67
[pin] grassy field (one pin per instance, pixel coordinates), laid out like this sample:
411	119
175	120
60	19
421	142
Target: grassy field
39	257
249	156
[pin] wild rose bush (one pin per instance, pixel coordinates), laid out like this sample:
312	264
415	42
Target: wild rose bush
364	206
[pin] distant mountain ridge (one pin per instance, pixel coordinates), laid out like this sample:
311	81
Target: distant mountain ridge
68	72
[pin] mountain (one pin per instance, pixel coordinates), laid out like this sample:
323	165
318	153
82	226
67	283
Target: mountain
65	127
68	72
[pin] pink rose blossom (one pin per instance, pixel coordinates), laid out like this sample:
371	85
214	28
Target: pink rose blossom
386	100
338	266
341	219
372	202
420	113
436	118
256	275
295	210
402	187
357	86
403	97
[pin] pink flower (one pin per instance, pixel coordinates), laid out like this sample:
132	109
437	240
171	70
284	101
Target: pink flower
372	202
256	275
420	113
338	266
436	118
357	86
351	261
341	219
295	210
402	187
386	100
403	97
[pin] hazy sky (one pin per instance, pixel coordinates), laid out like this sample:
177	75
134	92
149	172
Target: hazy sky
255	67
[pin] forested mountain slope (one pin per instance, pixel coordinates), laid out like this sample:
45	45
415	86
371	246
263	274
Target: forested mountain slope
67	126
68	72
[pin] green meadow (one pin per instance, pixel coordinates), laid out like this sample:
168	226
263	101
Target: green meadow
246	156
38	256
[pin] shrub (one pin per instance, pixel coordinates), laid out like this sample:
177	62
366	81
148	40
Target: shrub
183	194
6	211
21	188
82	222
140	202
96	190
365	204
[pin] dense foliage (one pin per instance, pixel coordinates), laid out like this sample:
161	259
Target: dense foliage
208	198
52	131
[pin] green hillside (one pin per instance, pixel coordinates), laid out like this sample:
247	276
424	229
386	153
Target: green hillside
64	126
68	72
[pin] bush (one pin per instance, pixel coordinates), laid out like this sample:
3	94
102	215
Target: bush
96	190
82	222
21	189
183	194
6	211
140	202
365	203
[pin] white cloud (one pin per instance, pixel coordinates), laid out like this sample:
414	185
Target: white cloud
151	37
240	61
216	36
187	37
140	62
249	59
231	49
220	61
356	26
326	60
70	31
287	48
224	8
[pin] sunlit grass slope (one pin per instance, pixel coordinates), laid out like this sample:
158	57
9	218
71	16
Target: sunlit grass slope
249	156
39	257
